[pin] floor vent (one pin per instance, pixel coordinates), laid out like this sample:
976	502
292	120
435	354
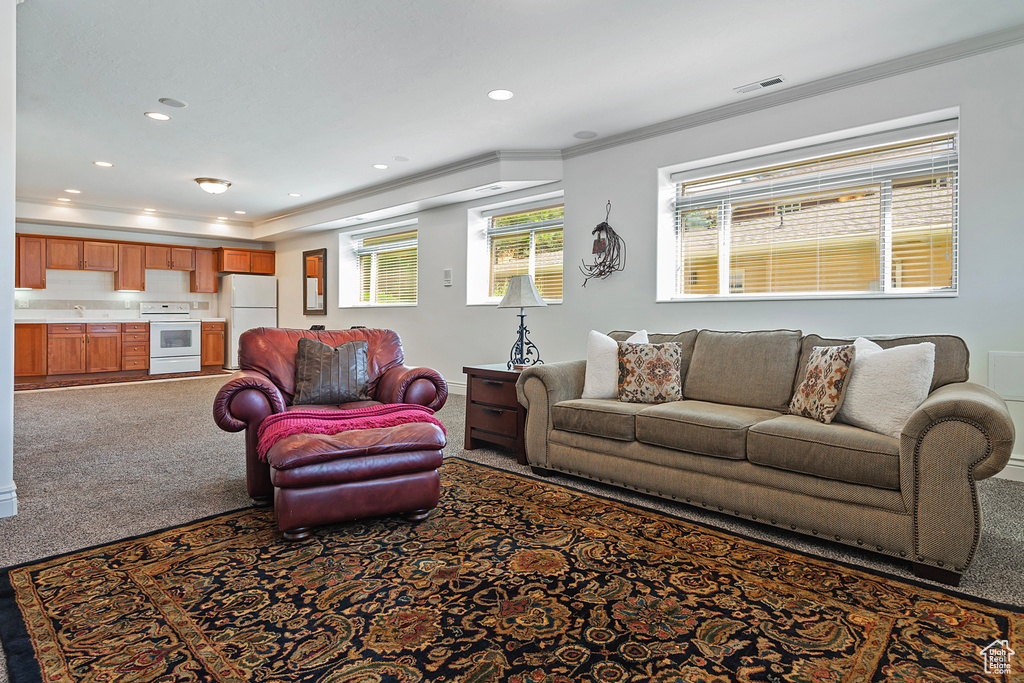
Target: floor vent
759	85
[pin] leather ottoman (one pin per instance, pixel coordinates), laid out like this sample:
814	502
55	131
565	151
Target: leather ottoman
322	479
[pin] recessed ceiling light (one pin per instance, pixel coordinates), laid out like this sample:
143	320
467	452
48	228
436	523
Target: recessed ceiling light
104	164
73	191
63	199
149	210
222	218
171	102
213	185
500	95
400	158
585	134
294	194
240	212
157	116
380	167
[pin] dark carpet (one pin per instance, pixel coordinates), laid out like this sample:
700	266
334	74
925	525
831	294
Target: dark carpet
510	579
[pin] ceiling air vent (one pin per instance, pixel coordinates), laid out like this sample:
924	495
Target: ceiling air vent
759	85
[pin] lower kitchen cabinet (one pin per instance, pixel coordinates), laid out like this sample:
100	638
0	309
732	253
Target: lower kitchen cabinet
213	343
65	349
30	349
103	348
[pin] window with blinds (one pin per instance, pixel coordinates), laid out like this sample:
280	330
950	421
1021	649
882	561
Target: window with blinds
387	268
881	220
526	242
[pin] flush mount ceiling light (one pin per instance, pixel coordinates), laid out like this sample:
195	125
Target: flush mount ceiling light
500	95
104	164
380	167
157	116
213	185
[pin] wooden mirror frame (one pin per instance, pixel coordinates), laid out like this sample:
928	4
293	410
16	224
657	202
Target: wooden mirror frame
317	258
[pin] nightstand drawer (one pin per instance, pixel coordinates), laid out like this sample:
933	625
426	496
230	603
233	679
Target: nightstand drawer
494	391
491	419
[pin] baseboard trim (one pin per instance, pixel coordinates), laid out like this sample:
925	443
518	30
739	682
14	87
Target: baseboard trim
9	501
1014	469
457	388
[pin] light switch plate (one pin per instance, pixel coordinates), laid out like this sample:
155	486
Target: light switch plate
127	303
447	277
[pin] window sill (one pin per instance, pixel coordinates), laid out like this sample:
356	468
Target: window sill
351	306
494	304
806	297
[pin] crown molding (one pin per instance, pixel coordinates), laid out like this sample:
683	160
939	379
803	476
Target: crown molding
894	67
39	201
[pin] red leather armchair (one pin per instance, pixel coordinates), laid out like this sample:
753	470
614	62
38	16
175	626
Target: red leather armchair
265	384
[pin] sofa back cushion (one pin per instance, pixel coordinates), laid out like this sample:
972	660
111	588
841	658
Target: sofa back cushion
684	339
272	350
753	369
952	358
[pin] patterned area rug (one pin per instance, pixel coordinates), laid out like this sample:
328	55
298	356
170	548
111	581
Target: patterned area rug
510	579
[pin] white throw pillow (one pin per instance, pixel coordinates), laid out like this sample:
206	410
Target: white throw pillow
886	385
602	378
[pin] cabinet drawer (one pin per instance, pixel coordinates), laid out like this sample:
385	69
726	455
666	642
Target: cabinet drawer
494	391
134	362
139	349
135	327
135	336
213	327
103	327
491	419
66	328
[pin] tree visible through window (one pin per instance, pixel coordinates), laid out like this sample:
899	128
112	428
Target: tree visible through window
388	268
526	242
880	220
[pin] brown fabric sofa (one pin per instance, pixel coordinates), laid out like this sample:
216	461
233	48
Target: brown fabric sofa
730	446
317	479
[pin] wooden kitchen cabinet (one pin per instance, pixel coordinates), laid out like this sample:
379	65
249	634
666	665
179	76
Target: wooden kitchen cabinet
65	349
103	347
203	277
67	254
30	263
160	257
213	343
255	261
135	346
29	349
63	254
131	268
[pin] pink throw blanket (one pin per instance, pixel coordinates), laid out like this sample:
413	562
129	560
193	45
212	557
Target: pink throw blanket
280	425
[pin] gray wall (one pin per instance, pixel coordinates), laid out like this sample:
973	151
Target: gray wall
442	332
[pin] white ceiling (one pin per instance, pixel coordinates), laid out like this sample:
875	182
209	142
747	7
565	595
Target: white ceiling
305	95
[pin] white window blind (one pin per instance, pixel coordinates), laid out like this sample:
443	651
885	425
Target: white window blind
880	220
526	242
387	268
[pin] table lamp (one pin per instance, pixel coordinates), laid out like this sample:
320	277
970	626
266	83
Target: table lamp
522	294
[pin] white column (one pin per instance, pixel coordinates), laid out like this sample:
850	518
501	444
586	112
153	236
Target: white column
8	16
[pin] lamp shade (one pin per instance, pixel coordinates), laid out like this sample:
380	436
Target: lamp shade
521	294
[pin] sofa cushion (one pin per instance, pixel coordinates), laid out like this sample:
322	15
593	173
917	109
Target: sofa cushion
684	339
649	373
699	427
753	369
330	375
835	451
598	416
952	358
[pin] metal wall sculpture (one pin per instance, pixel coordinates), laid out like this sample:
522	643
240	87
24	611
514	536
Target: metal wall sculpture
609	251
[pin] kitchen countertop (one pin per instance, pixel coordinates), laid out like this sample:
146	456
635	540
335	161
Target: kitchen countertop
97	321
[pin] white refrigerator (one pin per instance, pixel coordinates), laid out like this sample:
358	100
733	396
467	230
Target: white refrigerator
246	301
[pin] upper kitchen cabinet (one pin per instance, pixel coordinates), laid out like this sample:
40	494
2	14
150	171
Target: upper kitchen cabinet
67	254
204	277
30	263
131	268
161	257
255	261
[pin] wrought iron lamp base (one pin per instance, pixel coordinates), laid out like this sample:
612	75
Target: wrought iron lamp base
524	352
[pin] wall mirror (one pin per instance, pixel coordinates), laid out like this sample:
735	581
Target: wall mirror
314	269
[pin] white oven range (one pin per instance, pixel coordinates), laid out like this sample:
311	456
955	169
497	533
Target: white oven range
174	338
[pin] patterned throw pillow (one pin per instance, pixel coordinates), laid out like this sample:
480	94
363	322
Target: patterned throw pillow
649	373
821	393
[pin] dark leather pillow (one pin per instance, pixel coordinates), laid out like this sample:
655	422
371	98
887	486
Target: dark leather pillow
329	376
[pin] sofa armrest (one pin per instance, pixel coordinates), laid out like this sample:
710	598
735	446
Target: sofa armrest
246	398
539	387
422	386
960	434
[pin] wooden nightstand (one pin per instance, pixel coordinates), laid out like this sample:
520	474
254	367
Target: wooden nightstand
493	413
